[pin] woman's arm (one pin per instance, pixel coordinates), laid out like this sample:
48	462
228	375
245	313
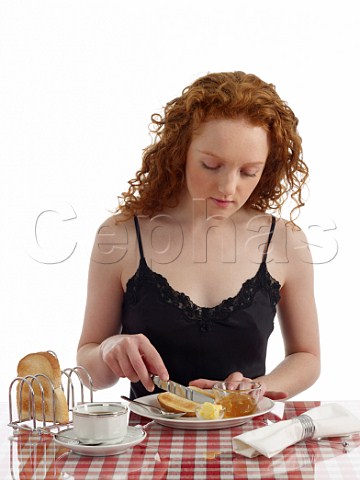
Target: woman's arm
102	317
298	321
102	350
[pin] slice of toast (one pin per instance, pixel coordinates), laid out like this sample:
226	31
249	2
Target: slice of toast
173	403
41	364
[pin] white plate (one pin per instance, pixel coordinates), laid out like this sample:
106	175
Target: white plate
192	423
67	438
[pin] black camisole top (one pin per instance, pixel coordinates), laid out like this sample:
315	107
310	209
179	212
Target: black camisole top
202	342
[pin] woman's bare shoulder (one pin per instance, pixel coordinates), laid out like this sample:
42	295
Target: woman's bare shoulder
295	246
113	239
117	220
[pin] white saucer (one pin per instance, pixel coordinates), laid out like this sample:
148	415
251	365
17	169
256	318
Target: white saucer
67	438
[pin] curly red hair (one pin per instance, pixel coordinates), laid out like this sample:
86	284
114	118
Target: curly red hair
161	178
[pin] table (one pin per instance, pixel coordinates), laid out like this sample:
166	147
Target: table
179	454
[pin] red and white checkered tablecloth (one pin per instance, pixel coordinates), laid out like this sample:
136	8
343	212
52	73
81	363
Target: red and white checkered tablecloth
180	454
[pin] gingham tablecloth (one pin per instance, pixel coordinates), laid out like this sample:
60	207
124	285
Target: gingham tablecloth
180	454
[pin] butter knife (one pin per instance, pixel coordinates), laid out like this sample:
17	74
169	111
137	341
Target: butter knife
181	390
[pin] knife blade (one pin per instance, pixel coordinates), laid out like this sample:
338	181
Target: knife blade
181	390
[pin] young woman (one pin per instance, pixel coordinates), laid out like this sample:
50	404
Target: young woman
187	277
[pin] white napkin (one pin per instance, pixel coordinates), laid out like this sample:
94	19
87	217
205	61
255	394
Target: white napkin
330	420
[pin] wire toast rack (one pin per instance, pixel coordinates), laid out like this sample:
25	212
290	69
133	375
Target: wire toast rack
72	384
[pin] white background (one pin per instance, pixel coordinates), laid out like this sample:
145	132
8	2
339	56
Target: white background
78	83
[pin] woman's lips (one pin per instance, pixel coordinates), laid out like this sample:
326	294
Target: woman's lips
222	203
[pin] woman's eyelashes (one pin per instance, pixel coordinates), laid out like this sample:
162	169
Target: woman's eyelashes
209	166
249	174
245	173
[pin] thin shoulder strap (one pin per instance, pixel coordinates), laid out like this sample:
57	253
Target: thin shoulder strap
138	235
272	228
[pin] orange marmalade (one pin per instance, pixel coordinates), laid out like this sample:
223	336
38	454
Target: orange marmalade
237	404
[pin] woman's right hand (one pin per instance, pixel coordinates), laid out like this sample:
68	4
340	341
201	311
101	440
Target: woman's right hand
133	357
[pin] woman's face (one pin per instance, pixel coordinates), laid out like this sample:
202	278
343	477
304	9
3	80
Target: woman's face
225	160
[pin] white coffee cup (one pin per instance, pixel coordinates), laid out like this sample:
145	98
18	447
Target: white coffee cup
100	422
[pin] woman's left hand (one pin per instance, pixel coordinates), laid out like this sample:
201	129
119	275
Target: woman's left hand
205	383
238	377
272	394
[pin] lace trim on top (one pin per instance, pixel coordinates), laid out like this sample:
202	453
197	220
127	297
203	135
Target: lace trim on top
205	315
